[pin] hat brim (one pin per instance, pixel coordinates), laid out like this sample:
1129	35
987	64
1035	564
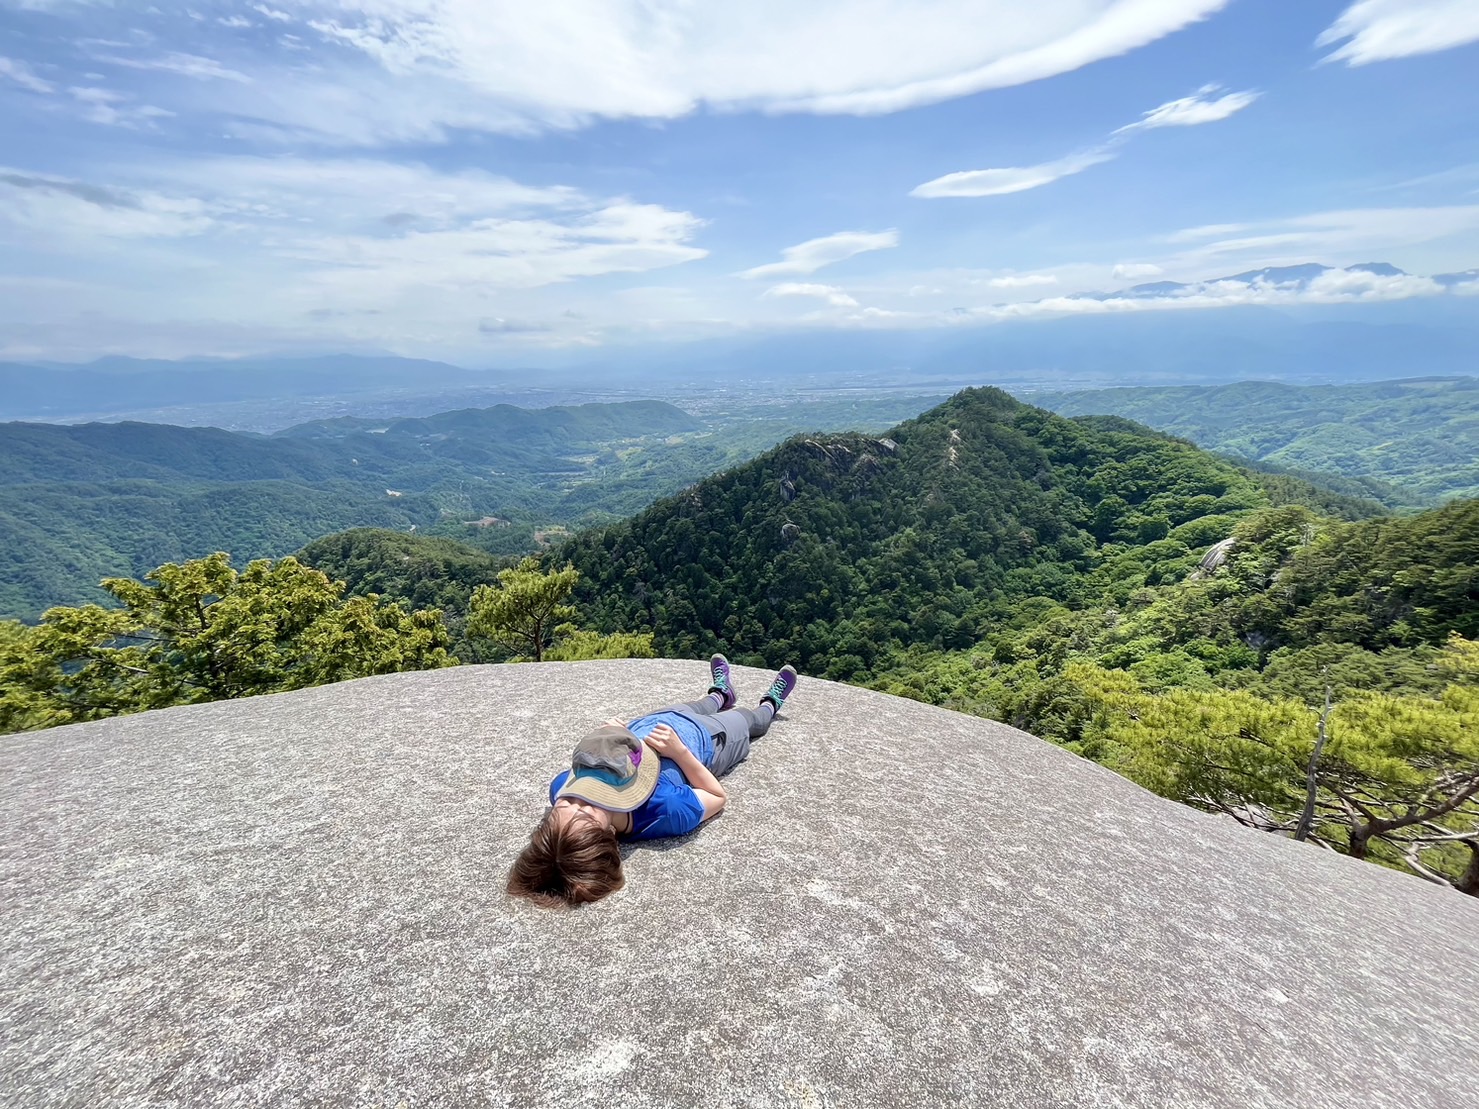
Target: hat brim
623	798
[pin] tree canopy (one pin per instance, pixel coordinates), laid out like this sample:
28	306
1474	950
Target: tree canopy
201	631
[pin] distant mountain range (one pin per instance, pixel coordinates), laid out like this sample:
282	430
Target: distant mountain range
48	391
1303	278
1302	324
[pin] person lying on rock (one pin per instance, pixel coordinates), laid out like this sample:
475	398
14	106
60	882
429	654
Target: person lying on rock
657	775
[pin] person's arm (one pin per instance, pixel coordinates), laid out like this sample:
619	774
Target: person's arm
711	794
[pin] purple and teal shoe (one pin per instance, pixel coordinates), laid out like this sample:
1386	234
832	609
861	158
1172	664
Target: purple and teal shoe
783	686
722	685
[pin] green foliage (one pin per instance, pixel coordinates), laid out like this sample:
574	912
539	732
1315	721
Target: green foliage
202	631
526	615
1405	443
522	612
1398	779
1104	586
574	644
419	571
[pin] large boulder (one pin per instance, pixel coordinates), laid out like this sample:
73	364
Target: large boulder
298	900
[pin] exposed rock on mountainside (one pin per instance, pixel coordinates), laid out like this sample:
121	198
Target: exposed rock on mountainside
297	900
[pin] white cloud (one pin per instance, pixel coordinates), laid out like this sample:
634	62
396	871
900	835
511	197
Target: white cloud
395	256
23	75
497	253
1189	111
114	109
506	65
1356	234
47	206
837	298
1192	111
1131	270
1015	179
1378	30
1332	287
812	255
1207	231
235	22
183	65
1022	280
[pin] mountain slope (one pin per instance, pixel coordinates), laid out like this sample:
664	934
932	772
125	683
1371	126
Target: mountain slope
512	439
1421	434
829	551
80	503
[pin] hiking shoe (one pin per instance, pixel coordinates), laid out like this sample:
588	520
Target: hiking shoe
722	685
783	686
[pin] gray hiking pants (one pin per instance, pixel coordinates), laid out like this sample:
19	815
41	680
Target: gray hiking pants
732	730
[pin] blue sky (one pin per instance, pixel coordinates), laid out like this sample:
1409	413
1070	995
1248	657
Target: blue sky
485	181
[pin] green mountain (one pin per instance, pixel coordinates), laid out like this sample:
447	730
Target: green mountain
81	503
84	502
474	441
1408	442
837	552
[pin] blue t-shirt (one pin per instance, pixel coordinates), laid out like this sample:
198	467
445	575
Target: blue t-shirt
674	808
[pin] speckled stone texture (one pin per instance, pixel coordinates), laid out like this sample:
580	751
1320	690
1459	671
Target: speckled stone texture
298	900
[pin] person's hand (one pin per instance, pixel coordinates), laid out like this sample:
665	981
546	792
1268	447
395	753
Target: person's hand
615	722
666	743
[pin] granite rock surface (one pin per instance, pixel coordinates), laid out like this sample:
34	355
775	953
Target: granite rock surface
298	900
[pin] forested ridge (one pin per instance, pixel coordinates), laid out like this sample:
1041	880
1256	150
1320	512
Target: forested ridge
1408	442
85	502
832	550
82	503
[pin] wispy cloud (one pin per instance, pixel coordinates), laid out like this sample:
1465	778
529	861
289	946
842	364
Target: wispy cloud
370	251
1011	179
1022	280
1189	111
183	65
1130	271
416	69
836	297
70	212
812	255
114	109
23	75
1378	30
1352	233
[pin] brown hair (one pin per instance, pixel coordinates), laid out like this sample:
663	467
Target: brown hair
565	865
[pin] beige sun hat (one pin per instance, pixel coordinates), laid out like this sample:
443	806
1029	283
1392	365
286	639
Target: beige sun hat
612	769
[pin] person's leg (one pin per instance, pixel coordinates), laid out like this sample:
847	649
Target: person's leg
740	727
734	728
